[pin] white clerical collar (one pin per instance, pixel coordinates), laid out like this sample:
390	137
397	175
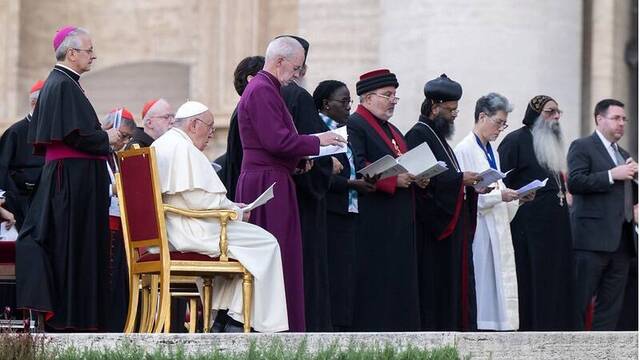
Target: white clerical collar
605	142
68	68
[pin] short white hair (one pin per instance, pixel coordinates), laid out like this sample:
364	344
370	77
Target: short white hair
71	41
285	47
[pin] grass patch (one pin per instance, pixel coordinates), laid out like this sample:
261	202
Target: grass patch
24	346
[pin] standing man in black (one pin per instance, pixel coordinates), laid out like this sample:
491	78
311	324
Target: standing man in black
311	190
600	179
62	251
446	217
19	167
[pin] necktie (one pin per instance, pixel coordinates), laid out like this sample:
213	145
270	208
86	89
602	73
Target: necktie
628	201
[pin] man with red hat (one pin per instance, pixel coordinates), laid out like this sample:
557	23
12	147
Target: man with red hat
19	167
63	247
157	118
387	298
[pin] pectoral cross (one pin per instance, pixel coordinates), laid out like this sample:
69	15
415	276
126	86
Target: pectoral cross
561	197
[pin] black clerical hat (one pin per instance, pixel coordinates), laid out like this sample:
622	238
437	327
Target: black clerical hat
442	89
534	109
375	80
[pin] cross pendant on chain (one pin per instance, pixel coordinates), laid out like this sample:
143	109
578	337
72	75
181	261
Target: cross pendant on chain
561	197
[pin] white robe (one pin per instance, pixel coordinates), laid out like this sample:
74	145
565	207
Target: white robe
493	256
189	181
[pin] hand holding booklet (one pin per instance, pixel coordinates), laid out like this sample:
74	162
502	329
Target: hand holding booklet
333	149
531	187
490	176
260	200
418	161
10	234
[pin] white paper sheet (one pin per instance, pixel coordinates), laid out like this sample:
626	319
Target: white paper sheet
333	149
261	200
418	161
490	176
8	235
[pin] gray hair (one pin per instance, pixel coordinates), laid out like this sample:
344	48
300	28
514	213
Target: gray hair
34	95
284	47
71	41
491	103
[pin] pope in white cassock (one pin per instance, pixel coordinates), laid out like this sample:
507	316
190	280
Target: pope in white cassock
493	256
189	181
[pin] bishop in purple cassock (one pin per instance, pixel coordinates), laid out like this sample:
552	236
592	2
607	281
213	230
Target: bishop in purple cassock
272	150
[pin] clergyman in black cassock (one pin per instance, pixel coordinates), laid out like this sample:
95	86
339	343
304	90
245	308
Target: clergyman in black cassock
311	188
63	248
446	216
19	167
386	296
540	231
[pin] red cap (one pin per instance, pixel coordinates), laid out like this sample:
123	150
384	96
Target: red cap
37	86
127	115
374	73
148	106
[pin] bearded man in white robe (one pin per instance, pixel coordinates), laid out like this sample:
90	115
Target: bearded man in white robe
189	181
493	256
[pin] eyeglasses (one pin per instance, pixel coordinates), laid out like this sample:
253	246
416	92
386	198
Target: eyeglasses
617	118
343	101
501	124
452	111
88	51
390	98
210	126
123	136
296	68
552	112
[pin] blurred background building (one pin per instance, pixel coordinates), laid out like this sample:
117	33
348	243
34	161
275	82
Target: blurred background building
575	51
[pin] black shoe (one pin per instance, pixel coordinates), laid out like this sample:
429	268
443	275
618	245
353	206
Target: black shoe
233	326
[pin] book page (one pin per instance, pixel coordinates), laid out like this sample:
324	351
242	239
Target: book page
421	162
490	176
380	166
531	187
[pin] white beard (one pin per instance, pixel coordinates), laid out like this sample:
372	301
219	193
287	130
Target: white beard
548	145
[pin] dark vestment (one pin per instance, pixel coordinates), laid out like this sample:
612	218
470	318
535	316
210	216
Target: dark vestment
62	251
311	188
541	236
446	222
341	248
19	169
139	138
231	161
386	268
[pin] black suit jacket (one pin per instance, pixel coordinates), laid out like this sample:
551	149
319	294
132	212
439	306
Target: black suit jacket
597	213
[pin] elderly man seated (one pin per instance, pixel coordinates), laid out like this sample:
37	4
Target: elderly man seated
189	181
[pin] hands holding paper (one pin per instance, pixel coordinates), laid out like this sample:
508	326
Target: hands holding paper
331	138
470	178
245	214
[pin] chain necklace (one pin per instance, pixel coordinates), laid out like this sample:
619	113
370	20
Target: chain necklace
560	194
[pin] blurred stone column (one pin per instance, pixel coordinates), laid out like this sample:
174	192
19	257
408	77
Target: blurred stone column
9	37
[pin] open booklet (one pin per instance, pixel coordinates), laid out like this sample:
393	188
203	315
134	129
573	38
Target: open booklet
10	234
490	176
418	161
333	149
260	200
531	187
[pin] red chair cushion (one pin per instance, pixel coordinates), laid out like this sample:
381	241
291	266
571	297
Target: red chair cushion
178	255
7	252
